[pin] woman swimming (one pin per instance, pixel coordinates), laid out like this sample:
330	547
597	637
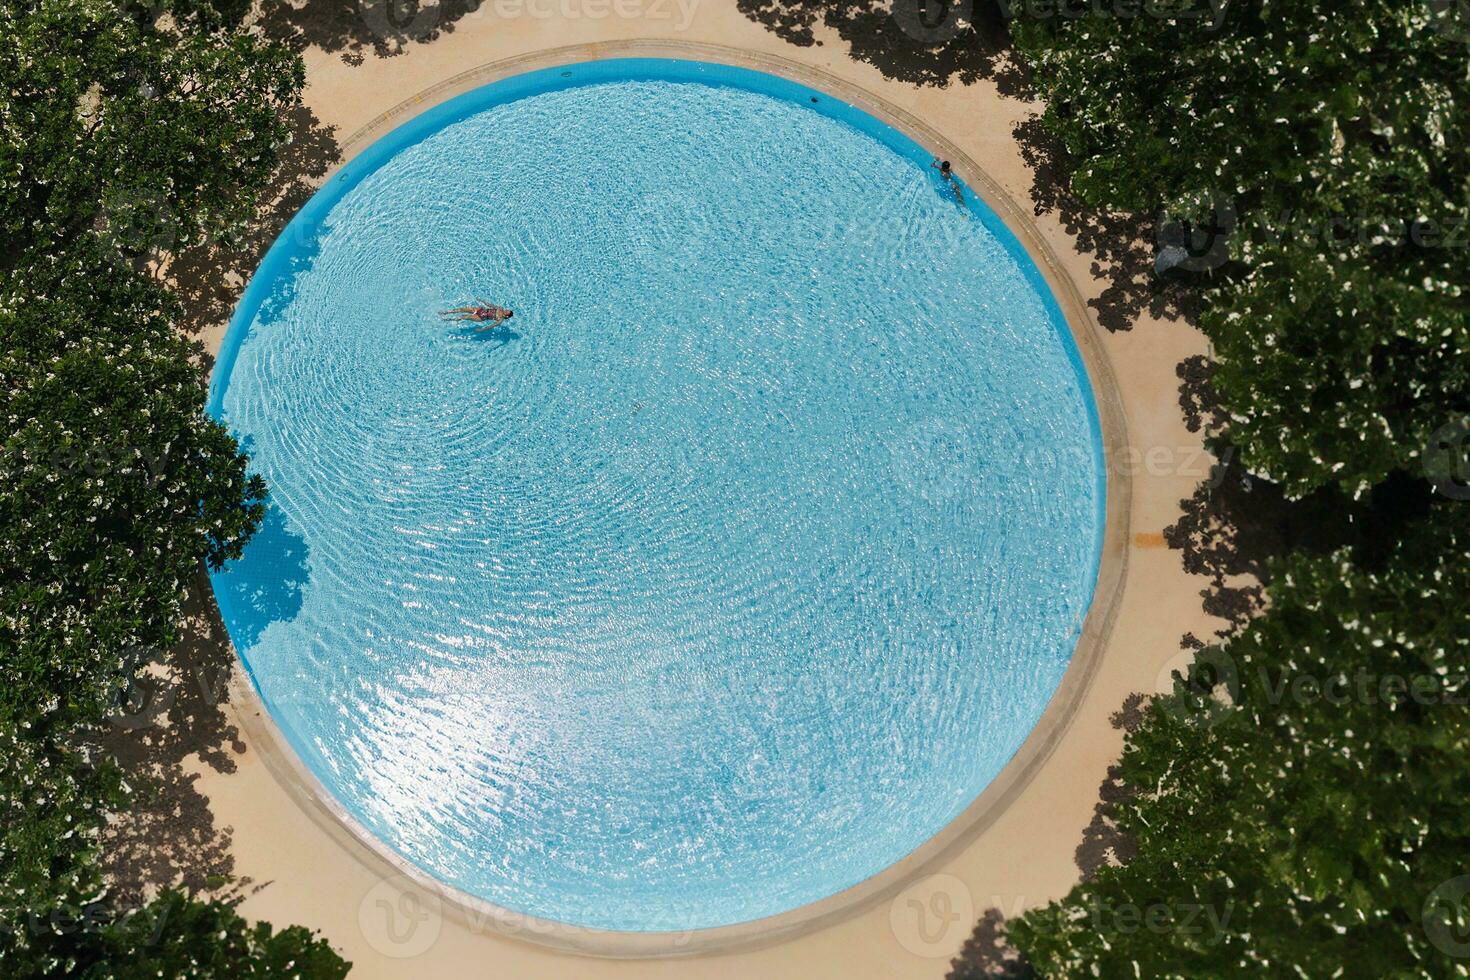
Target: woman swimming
487	313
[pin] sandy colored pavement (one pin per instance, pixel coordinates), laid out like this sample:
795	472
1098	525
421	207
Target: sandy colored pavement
313	875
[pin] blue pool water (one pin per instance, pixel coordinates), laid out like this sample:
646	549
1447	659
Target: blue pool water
729	571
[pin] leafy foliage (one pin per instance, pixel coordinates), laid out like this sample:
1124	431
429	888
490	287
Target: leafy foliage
55	915
1296	806
126	132
53	802
117	484
174	936
1304	784
1336	137
152	139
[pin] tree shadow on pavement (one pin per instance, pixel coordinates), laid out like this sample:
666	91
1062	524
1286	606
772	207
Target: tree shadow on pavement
209	278
1235	524
354	28
1121	245
174	717
986	955
923	42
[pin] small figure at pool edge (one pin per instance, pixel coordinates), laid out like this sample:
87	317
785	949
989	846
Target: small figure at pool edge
948	174
488	314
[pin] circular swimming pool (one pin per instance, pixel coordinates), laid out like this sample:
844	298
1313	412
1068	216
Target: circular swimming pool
720	578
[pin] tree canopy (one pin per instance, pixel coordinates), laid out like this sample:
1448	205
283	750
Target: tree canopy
117	484
148	139
1298	800
125	135
1325	146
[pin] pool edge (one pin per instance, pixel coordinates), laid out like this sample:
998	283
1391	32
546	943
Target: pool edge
998	795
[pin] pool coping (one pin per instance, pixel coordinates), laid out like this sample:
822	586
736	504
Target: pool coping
1061	709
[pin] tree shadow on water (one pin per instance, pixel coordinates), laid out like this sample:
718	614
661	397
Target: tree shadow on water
172	722
209	278
266	585
173	719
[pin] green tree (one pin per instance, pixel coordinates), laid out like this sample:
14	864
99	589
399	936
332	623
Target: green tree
55	917
117	484
151	139
126	135
175	936
1301	796
1296	805
53	801
1324	146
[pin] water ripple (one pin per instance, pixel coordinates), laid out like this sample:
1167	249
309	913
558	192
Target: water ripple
728	573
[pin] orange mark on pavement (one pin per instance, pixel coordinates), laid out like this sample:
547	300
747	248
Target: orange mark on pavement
1148	539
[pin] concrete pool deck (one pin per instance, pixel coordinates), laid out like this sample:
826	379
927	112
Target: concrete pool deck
1021	850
